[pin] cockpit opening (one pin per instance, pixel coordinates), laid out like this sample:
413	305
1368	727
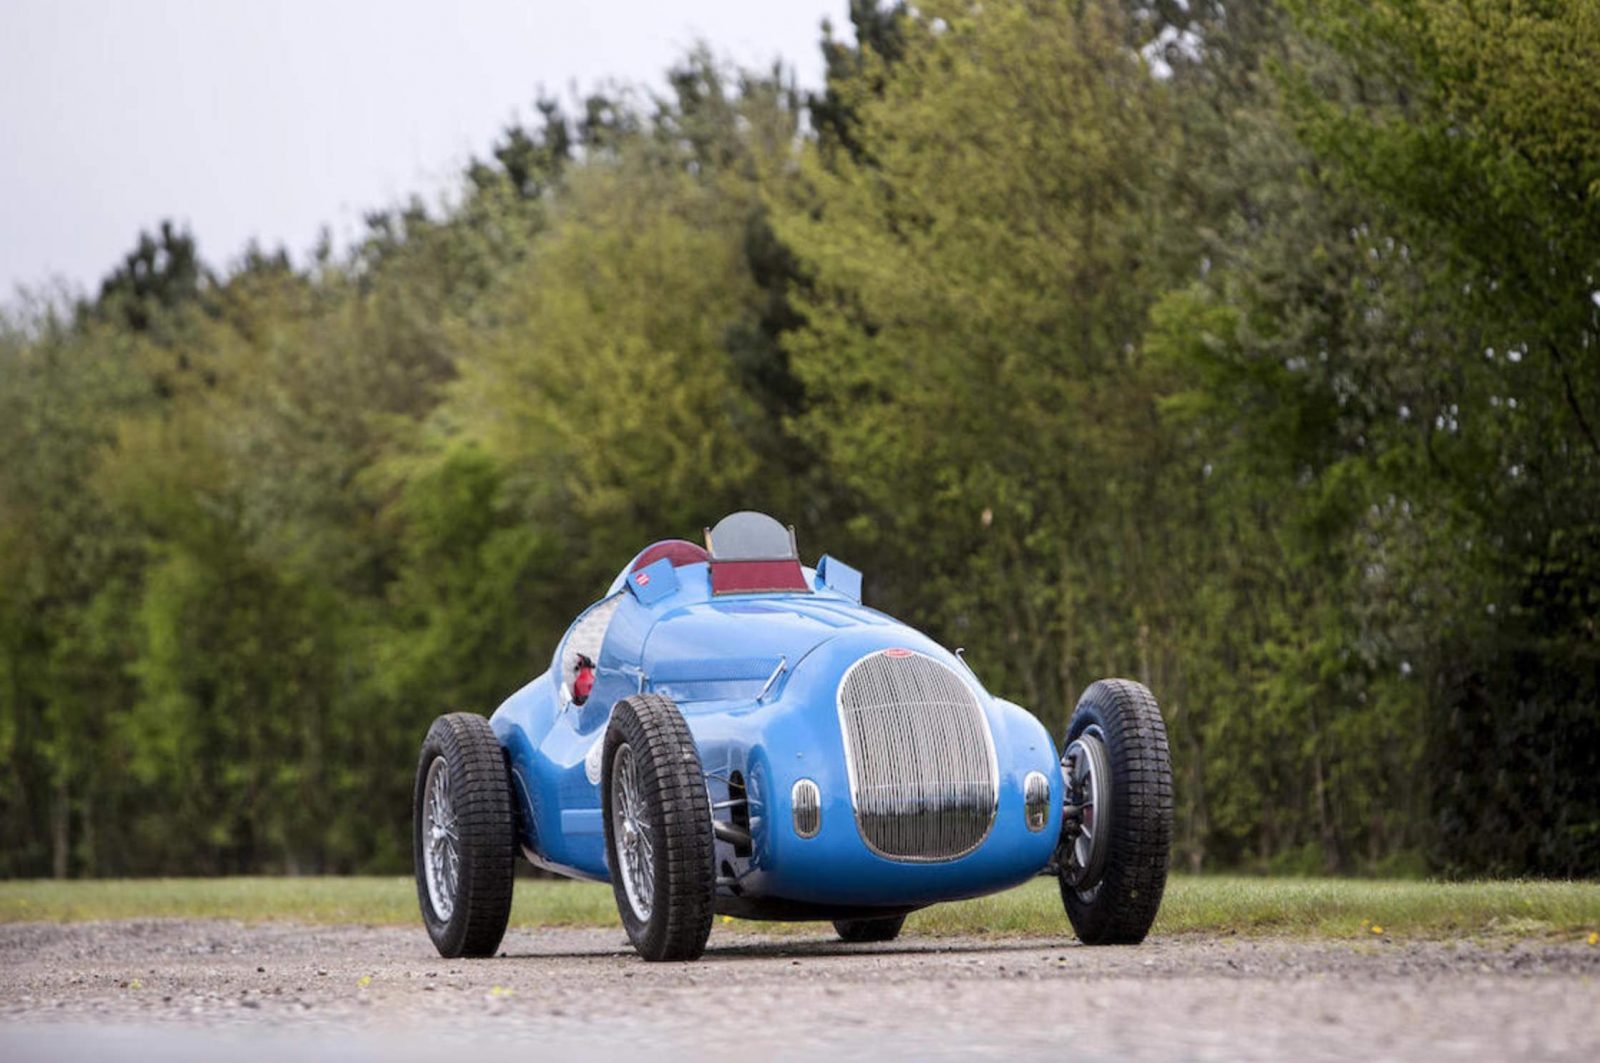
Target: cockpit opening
753	553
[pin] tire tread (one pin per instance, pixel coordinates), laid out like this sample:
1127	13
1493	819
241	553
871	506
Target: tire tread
481	794
669	769
1135	878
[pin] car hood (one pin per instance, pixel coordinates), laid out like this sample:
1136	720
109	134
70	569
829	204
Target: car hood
747	637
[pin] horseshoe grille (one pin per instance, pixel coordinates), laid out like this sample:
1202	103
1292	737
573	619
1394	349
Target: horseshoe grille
921	759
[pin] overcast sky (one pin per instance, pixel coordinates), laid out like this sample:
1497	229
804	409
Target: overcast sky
268	119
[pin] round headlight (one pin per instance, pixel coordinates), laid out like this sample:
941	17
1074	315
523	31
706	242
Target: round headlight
807	802
1036	800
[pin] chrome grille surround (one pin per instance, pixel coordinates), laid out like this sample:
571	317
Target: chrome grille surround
924	781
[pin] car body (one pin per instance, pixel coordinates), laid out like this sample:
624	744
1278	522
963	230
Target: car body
763	679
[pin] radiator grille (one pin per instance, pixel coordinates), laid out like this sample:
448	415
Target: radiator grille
922	768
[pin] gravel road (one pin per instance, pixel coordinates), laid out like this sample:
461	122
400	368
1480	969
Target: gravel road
208	990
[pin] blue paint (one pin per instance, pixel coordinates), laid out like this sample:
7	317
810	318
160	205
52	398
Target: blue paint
653	582
714	657
838	576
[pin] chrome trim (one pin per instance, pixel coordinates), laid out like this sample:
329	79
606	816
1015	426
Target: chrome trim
1086	771
441	853
730	833
807	802
1036	800
632	835
961	655
783	662
544	863
924	777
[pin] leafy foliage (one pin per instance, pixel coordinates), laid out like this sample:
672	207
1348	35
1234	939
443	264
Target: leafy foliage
1247	349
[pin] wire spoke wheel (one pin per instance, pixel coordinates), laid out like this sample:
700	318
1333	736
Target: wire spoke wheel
442	854
1086	771
635	851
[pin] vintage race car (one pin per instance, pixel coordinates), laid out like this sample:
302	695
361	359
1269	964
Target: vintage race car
729	731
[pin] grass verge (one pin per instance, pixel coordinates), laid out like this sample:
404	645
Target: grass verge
1315	908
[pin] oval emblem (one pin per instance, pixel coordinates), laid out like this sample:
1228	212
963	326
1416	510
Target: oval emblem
897	652
642	579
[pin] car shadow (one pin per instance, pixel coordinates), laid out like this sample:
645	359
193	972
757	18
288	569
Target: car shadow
776	949
931	946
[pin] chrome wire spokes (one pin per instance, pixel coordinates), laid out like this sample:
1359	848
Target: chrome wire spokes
1086	770
441	855
636	853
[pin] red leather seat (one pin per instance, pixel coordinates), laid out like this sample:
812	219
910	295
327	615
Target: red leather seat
680	551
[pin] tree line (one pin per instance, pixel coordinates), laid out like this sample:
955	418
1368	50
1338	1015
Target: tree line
1249	349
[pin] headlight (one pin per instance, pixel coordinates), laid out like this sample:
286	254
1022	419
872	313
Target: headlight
807	802
1036	800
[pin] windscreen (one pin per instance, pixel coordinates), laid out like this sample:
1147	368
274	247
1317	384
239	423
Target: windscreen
751	536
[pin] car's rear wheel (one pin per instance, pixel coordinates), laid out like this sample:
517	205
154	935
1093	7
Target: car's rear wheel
1117	836
658	829
861	931
463	836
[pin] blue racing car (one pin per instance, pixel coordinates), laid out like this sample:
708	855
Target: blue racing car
729	731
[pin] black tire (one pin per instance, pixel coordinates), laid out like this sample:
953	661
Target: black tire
671	790
862	931
471	759
1119	907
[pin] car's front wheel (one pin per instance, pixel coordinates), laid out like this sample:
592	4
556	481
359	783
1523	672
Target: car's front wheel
1117	831
463	836
658	829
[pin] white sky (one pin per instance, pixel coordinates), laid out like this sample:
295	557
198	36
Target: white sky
272	118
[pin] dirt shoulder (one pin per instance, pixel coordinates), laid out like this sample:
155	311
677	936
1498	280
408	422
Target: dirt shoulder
284	989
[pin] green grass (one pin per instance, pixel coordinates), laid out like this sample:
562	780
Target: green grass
305	900
1307	907
1313	907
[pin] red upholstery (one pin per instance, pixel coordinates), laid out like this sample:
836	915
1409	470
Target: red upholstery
746	577
680	551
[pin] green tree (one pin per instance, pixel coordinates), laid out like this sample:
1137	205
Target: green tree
1481	138
980	277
